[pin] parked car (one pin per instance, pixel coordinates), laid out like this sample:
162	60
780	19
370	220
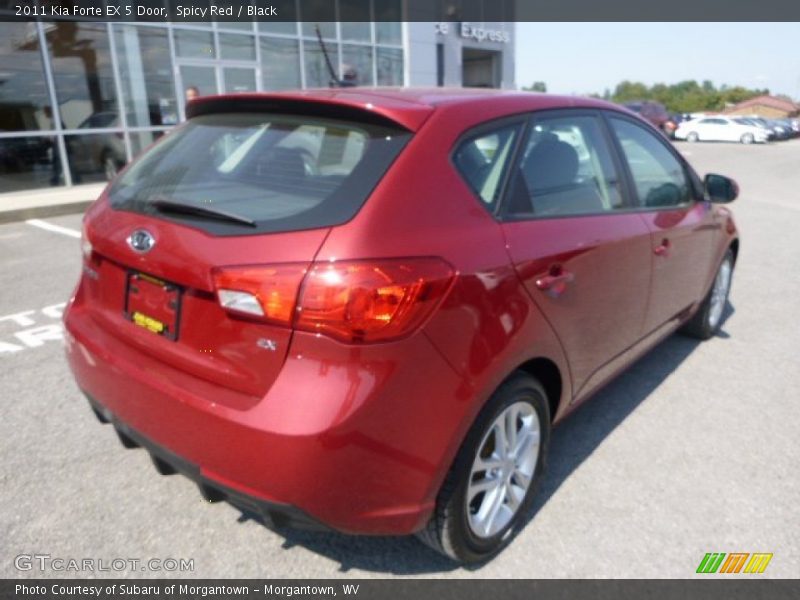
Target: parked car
760	123
93	153
781	130
720	129
376	335
656	113
102	152
789	126
777	130
20	154
679	118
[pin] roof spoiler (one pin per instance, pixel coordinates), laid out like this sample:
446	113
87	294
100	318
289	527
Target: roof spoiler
338	105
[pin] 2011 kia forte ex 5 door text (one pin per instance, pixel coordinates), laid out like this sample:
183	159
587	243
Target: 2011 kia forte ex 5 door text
364	309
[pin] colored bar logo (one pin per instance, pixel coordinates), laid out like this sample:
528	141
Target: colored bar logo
714	562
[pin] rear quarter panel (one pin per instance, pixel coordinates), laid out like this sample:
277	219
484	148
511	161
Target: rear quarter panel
487	326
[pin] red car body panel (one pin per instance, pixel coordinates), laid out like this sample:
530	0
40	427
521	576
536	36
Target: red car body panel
592	317
682	271
360	437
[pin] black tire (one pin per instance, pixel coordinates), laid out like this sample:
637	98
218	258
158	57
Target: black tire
692	137
701	325
448	530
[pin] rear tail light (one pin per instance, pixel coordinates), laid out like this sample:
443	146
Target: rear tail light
371	301
352	301
267	292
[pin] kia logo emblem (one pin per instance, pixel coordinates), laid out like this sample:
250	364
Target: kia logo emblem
141	241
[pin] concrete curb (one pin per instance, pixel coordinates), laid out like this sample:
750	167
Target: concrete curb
37	212
48	202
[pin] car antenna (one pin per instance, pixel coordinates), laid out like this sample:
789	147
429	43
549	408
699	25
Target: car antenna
335	81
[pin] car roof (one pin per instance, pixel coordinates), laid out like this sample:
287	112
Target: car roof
410	107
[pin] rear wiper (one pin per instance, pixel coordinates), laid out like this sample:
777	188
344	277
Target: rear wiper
164	205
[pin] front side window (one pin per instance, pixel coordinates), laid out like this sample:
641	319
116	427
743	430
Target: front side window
277	172
482	161
658	176
566	169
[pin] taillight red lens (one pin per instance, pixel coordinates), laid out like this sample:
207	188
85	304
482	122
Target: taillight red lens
371	301
268	292
352	301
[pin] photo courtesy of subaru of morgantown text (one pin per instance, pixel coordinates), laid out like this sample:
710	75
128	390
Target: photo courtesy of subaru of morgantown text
364	309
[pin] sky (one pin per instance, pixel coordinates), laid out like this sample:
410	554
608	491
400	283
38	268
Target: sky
585	58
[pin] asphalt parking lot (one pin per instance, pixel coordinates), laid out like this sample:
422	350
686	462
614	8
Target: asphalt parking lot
693	450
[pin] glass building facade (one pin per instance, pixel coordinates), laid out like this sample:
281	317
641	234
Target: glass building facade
78	99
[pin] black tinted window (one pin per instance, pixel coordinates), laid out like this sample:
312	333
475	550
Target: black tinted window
658	176
566	169
483	159
284	172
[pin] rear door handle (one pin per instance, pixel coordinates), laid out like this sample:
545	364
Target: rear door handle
554	283
663	248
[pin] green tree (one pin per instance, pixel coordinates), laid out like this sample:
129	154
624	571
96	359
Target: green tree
684	96
629	91
537	86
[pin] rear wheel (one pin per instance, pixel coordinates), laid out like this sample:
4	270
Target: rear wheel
490	487
747	138
708	318
692	137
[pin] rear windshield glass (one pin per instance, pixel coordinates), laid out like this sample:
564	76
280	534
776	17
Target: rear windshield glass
240	173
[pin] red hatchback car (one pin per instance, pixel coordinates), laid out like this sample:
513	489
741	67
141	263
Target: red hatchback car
365	309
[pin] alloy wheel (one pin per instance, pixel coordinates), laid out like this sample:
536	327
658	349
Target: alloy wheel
503	469
719	293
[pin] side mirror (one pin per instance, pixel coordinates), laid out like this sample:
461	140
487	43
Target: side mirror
720	188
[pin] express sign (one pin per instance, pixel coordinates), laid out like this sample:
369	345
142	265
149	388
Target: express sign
475	32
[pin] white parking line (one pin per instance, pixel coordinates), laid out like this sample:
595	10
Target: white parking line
54	228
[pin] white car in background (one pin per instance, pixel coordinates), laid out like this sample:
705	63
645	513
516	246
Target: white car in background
720	129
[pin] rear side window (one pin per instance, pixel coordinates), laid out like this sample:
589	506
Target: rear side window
658	176
279	172
483	160
566	169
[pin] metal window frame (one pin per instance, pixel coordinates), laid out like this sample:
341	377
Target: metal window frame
51	87
58	132
123	117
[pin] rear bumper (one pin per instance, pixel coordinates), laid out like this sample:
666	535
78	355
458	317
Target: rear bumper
166	462
355	439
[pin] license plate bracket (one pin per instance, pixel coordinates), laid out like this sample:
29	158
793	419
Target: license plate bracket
153	304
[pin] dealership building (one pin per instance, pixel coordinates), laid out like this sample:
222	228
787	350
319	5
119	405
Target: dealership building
79	99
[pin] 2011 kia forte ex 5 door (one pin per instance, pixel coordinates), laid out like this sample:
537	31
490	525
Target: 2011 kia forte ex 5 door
365	309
